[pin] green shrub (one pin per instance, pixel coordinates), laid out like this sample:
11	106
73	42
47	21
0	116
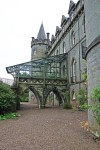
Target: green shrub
67	104
7	99
81	96
96	93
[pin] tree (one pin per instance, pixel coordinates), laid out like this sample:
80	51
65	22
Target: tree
7	99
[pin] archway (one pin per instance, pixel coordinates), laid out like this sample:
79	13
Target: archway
37	96
56	95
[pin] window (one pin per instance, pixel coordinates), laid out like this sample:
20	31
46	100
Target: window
83	24
57	52
73	71
64	47
83	46
34	52
73	95
73	38
63	70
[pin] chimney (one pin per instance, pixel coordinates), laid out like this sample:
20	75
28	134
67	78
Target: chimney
48	36
32	38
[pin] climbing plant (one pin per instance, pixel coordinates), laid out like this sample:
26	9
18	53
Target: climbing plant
95	106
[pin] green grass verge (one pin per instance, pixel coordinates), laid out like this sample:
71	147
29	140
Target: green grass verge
9	116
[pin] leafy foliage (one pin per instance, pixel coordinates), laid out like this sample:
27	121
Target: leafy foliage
67	104
96	94
81	96
95	107
7	102
23	93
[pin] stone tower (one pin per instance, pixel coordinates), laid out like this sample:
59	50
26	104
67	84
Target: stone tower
38	50
39	45
92	14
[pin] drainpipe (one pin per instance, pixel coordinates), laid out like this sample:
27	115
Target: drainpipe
79	55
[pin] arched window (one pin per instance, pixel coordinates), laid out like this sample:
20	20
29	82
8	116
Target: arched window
73	38
57	52
63	70
83	23
34	52
64	47
73	95
73	71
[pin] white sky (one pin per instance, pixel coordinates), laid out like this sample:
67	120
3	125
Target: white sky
19	21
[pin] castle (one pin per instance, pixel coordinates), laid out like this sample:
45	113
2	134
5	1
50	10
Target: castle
79	37
77	40
69	38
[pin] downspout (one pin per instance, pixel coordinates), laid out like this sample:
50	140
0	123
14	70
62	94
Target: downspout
79	55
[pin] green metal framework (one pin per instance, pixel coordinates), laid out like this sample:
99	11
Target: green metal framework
42	71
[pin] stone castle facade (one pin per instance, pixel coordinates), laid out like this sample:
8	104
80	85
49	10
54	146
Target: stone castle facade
79	37
69	38
75	49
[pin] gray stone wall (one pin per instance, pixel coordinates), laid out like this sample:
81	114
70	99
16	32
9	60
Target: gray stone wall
92	12
38	51
93	62
74	51
93	55
93	59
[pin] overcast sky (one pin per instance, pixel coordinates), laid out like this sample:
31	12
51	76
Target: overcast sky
19	21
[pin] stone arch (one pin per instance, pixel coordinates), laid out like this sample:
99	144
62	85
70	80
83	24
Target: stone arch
55	91
37	95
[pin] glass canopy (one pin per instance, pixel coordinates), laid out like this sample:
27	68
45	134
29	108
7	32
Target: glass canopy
49	67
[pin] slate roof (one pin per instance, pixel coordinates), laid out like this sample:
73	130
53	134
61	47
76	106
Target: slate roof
41	34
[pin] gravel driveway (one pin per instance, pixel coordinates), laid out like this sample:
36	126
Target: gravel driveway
46	129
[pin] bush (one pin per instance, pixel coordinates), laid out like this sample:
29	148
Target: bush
7	99
81	96
96	93
67	104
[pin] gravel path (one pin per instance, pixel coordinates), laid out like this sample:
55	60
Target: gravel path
46	129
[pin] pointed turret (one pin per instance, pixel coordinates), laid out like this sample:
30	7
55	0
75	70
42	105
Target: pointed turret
41	34
71	6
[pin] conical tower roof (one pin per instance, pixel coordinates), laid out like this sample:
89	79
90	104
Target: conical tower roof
41	34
